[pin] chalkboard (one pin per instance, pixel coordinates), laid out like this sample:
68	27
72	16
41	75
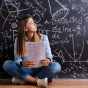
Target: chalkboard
65	22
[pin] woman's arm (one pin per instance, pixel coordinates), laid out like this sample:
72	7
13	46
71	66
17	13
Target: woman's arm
21	61
17	58
46	61
48	49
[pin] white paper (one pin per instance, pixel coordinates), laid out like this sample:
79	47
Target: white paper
35	52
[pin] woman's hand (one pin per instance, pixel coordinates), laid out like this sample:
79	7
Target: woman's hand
28	64
45	62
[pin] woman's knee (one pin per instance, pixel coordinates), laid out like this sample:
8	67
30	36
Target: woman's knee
7	64
56	67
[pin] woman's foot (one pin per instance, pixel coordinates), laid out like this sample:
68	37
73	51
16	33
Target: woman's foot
18	81
42	82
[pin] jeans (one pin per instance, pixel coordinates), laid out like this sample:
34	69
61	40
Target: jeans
21	72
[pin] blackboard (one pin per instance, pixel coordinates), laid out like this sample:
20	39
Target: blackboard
65	22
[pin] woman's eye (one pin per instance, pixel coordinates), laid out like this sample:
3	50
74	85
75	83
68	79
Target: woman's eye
31	23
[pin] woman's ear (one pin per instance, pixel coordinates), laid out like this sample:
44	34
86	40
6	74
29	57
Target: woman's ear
25	29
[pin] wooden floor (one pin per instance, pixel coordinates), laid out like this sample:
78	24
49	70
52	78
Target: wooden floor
57	83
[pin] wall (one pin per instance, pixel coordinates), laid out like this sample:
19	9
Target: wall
65	22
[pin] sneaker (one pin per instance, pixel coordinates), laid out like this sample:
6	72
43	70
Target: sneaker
18	81
42	82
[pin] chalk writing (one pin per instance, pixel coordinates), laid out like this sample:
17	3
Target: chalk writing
65	22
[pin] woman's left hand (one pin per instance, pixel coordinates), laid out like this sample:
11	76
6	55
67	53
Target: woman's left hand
45	62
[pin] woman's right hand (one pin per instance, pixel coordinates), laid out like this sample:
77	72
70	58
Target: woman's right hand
28	64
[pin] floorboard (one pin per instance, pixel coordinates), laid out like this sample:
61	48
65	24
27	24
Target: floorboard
57	83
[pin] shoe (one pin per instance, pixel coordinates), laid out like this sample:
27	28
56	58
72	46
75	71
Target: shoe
18	81
42	82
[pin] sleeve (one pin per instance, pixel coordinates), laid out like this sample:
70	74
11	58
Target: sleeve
48	49
17	58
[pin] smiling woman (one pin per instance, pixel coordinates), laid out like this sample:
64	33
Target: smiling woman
22	69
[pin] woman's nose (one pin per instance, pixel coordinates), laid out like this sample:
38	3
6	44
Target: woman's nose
35	24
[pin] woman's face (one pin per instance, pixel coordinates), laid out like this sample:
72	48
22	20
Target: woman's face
30	25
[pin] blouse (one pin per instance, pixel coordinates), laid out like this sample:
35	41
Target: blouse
44	39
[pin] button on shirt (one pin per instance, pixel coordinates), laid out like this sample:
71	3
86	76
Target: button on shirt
44	39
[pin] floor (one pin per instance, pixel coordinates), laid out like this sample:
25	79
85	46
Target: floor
57	83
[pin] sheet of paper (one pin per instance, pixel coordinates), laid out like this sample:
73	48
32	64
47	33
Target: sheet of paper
35	52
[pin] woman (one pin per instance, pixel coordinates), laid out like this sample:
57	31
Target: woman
21	69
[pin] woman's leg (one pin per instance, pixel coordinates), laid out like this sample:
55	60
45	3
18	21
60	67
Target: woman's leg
14	70
50	71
